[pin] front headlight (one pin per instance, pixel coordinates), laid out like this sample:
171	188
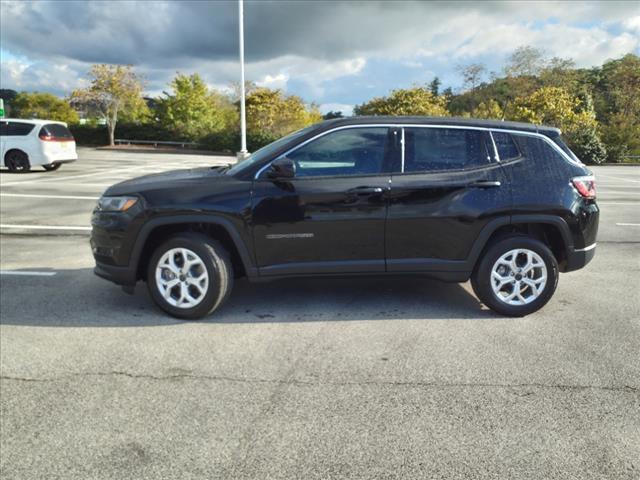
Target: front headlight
116	204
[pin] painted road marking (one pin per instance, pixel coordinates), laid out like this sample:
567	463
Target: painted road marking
65	197
617	178
33	274
43	227
628	224
53	179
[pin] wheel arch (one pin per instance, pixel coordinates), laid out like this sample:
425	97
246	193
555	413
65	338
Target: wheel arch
551	230
155	231
14	149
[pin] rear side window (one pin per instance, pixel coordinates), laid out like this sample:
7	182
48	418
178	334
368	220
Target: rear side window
507	148
57	131
437	149
15	129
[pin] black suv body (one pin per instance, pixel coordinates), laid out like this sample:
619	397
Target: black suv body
502	203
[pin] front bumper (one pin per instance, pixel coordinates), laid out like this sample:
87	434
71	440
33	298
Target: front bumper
124	276
577	259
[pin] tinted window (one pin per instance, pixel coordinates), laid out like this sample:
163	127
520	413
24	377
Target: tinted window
353	151
4	128
507	148
436	149
537	149
56	130
558	141
17	128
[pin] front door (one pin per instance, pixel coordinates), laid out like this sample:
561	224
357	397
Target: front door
445	189
330	217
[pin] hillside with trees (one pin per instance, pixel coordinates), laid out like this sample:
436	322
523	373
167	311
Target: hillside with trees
598	109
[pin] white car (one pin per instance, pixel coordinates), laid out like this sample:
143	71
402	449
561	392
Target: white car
28	143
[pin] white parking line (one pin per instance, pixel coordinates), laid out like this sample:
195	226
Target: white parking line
43	227
628	224
66	197
53	179
617	178
34	274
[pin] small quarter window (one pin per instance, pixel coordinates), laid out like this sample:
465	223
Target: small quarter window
507	148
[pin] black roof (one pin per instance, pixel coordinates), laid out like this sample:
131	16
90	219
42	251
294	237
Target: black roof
457	121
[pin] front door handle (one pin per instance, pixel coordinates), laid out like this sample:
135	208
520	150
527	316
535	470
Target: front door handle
365	190
485	184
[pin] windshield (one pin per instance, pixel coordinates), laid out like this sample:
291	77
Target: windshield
259	155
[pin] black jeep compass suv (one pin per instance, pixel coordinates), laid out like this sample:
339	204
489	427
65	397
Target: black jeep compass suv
506	205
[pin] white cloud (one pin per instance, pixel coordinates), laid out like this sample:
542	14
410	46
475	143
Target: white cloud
345	108
274	81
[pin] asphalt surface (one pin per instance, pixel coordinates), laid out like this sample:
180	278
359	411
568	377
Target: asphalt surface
366	378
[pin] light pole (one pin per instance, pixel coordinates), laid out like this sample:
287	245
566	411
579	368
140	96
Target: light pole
243	120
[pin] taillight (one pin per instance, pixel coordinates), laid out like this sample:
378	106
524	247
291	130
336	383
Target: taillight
46	138
586	186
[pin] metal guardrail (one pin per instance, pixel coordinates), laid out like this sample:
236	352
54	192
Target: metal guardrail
155	143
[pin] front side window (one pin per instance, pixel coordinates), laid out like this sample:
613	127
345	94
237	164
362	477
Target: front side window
352	151
437	149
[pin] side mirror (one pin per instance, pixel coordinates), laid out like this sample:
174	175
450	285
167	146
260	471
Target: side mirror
282	168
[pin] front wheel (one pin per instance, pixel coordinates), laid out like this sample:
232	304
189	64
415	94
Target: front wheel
189	276
517	276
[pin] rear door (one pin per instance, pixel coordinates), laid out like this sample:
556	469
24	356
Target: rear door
447	186
330	217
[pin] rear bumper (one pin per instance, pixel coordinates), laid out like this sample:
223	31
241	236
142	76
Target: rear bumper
576	259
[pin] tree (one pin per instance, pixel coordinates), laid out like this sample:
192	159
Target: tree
489	110
434	86
115	90
556	107
43	105
412	101
472	75
273	113
525	61
331	115
194	111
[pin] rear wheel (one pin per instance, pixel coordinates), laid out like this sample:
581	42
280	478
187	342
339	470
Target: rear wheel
190	276
517	276
17	161
51	167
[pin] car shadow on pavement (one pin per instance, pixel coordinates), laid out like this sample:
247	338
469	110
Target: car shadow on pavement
77	298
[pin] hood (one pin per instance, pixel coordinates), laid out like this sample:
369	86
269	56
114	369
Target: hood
173	178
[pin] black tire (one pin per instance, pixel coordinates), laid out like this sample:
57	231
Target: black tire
51	167
481	277
17	161
219	269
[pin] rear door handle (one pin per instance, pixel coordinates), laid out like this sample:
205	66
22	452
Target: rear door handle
365	190
485	184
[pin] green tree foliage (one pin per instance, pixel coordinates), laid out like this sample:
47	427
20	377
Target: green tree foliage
273	113
489	110
114	91
193	111
412	101
42	105
556	107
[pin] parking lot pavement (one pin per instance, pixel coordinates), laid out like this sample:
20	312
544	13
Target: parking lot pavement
367	378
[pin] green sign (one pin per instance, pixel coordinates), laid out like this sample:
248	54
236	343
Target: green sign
1	108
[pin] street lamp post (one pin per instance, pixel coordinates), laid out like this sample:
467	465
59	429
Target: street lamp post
243	120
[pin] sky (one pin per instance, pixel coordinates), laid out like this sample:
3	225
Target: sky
336	54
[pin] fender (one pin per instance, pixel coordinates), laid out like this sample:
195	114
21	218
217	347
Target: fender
492	226
148	227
